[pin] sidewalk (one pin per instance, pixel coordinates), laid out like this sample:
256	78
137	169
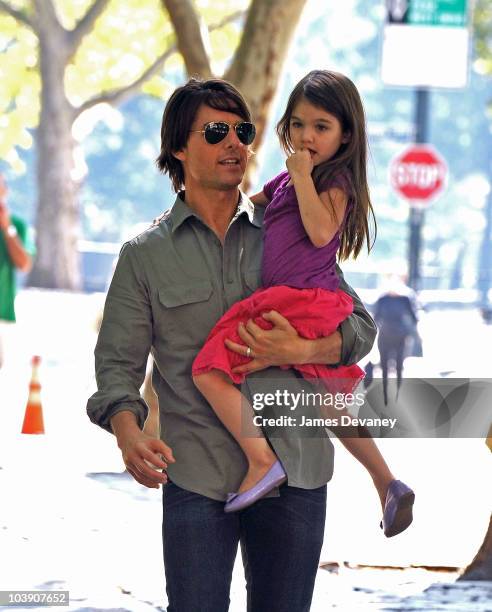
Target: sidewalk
68	521
98	537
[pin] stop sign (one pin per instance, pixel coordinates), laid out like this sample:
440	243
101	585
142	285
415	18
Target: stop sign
419	173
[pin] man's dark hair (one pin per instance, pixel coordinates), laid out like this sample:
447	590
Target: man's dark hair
180	112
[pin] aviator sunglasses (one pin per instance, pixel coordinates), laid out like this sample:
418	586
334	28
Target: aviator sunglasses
215	131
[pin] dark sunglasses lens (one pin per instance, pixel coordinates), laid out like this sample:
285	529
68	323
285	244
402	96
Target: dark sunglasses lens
215	132
246	132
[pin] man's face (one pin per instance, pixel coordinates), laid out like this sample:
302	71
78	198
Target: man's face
218	166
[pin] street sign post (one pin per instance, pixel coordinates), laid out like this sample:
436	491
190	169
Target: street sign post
425	44
418	174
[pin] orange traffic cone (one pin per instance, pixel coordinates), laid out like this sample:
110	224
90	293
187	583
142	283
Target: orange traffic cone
33	419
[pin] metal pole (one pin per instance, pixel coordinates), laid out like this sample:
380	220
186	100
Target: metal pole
416	215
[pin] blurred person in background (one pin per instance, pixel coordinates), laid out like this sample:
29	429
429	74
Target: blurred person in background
395	313
15	254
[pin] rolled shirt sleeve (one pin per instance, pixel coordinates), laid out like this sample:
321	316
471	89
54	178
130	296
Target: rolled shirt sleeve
358	330
123	344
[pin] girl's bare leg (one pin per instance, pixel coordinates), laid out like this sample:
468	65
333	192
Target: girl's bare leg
229	404
364	449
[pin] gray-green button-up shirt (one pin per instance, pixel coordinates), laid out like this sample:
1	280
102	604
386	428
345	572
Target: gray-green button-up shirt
171	285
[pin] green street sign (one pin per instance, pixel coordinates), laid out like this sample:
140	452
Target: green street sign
446	13
451	13
426	43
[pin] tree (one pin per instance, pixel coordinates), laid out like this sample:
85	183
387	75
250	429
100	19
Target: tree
481	566
254	67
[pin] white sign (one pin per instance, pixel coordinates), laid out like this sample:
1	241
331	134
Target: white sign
426	43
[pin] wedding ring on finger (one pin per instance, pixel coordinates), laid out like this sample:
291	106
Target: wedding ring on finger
249	352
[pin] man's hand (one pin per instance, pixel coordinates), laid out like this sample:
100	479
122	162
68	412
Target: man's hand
18	255
280	345
4	215
4	211
143	455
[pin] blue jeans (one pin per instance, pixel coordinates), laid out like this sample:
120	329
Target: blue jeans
281	539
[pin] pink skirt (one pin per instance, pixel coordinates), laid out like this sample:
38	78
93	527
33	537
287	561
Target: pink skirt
314	313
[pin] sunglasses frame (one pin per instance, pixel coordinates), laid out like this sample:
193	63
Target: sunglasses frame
229	125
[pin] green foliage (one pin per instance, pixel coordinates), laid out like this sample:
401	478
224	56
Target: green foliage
19	94
127	38
482	26
214	11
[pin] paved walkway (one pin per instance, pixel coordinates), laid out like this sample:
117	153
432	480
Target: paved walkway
98	537
64	527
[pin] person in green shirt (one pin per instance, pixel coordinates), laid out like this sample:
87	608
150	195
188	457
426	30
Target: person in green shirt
14	255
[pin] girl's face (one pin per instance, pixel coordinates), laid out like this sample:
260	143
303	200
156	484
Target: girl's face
318	131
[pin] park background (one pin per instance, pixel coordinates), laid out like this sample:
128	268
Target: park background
97	185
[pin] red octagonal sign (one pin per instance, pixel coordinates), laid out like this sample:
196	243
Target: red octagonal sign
419	173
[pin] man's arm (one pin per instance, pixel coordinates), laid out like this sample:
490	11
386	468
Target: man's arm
123	344
121	356
283	346
19	257
358	331
411	309
259	199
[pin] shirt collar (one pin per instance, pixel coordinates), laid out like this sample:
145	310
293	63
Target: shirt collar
180	211
247	207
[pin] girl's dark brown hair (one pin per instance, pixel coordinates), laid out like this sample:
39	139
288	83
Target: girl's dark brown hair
336	94
180	112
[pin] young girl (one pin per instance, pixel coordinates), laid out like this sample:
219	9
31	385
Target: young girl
318	208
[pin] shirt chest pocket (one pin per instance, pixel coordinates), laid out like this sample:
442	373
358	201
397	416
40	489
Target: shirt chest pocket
252	281
185	312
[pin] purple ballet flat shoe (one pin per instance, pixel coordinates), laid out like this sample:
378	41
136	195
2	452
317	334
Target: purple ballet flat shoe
273	478
397	514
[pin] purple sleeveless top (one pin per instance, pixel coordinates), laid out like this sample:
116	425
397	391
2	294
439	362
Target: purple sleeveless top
289	256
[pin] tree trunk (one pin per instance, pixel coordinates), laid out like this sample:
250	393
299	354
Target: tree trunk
259	59
191	45
481	566
56	264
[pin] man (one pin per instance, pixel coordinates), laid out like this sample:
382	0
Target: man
170	286
13	255
395	314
